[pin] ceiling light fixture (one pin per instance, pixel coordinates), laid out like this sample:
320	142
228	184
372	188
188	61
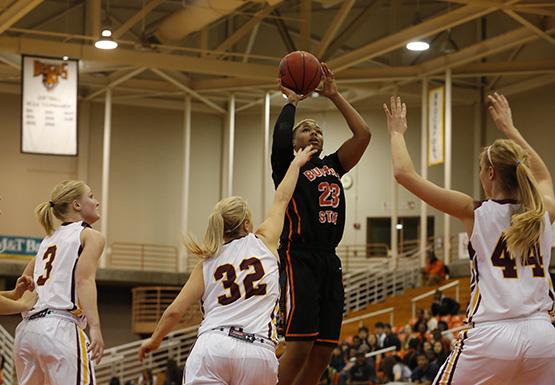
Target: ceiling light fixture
417	45
106	41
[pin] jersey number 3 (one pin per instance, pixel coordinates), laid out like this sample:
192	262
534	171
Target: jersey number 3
49	256
503	259
230	274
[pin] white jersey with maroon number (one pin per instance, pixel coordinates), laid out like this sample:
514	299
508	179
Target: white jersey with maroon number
502	286
54	273
241	288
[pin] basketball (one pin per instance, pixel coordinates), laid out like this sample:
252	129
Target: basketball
300	71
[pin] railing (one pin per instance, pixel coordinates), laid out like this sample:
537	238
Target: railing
134	256
123	361
377	352
430	293
149	303
6	349
354	257
371	287
390	310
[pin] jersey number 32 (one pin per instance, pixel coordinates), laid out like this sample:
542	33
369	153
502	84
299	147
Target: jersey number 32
228	275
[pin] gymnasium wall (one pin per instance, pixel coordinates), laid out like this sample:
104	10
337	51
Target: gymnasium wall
146	165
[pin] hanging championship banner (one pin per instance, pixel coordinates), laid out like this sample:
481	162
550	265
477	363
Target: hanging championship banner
49	106
436	102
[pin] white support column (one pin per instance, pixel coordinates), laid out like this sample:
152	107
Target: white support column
231	143
447	166
106	174
182	262
424	171
394	220
476	148
266	157
84	129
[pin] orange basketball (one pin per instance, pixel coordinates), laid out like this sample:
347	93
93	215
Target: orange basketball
300	71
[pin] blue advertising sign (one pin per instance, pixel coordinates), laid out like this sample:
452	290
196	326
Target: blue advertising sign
18	247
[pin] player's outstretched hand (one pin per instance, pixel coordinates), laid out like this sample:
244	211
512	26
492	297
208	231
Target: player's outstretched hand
329	88
397	116
304	155
148	345
292	96
96	347
500	111
28	299
23	284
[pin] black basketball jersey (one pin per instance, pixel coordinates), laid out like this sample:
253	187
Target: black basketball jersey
315	217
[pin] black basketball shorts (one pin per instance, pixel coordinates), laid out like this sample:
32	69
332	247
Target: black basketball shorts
312	296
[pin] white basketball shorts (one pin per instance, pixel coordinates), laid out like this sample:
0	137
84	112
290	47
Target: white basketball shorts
52	350
220	359
507	352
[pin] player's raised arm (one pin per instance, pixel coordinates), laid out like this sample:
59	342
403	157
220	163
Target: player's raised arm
502	117
270	230
190	293
451	202
282	144
353	148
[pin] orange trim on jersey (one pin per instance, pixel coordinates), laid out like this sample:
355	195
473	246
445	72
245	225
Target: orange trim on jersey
330	341
84	357
298	216
289	271
302	335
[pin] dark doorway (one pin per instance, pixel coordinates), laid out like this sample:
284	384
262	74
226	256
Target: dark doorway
378	231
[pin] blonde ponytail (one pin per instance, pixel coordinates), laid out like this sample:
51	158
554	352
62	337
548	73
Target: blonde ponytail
213	238
223	223
62	195
510	162
45	216
526	225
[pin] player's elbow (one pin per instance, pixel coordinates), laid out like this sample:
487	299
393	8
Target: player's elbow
403	176
172	313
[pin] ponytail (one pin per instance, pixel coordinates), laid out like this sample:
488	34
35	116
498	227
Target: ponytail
213	238
62	195
526	225
223	223
45	216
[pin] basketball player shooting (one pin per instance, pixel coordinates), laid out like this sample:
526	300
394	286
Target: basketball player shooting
313	227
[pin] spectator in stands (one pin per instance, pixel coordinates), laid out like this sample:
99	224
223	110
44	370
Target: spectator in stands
434	271
431	321
337	361
405	336
356	342
173	374
372	342
401	372
363	335
440	352
380	335
443	327
362	373
114	381
444	341
410	355
443	305
146	378
425	372
328	376
391	338
426	347
421	333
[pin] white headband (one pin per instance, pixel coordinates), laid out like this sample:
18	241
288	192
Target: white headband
489	155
